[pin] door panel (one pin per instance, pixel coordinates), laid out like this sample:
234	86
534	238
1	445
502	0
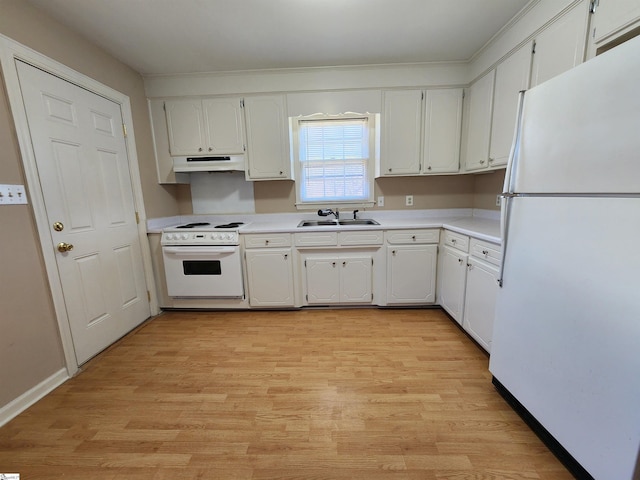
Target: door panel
83	169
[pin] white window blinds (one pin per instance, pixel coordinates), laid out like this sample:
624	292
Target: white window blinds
334	160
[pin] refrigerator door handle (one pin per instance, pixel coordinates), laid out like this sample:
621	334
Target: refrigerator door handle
515	148
504	230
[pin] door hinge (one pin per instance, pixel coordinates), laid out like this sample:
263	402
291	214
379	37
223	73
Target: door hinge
148	295
422	97
137	218
372	262
242	103
164	106
307	297
305	263
124	129
533	48
594	6
464	93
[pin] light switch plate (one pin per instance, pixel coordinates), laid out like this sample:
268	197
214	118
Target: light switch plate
13	195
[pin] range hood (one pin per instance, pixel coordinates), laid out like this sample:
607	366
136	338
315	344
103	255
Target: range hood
232	163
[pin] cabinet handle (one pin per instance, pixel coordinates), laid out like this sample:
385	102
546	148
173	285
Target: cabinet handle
281	172
485	252
460	260
481	162
389	169
286	255
429	167
333	263
344	264
393	252
266	242
490	159
413	237
200	149
453	240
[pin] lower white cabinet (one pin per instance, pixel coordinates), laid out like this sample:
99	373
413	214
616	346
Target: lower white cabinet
269	270
334	279
482	289
411	266
452	281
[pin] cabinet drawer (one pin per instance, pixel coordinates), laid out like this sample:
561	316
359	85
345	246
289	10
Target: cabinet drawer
456	240
368	237
398	237
490	252
258	240
316	239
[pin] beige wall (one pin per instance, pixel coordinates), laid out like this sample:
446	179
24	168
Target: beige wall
30	349
487	186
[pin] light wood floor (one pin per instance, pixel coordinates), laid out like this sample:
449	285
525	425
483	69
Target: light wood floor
324	394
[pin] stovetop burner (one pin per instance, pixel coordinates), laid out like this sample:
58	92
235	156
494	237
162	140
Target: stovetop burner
194	225
230	225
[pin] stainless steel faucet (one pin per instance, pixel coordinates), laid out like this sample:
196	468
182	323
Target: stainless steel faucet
324	212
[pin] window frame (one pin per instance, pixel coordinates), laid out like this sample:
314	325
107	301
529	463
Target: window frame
373	121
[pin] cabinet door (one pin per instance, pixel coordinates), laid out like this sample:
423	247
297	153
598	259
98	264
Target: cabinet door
615	17
512	76
561	46
323	280
479	125
480	301
270	277
411	274
442	128
185	125
164	162
267	138
401	133
355	279
453	275
224	128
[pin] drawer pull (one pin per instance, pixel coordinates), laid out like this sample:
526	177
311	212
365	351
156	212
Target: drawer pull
485	252
413	237
460	260
453	240
266	242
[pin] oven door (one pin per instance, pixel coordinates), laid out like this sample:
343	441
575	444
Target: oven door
203	271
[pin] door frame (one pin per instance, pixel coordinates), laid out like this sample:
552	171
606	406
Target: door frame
10	51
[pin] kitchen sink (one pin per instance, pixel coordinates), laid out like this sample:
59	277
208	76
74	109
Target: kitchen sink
359	221
318	223
335	223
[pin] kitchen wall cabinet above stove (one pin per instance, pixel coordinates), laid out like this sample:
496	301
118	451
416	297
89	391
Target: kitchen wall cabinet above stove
421	132
212	126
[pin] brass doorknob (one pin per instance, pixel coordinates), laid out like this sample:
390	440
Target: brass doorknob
64	247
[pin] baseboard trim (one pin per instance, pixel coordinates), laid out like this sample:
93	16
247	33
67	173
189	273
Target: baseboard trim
24	401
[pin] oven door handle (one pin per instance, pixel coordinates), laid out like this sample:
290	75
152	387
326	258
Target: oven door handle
199	250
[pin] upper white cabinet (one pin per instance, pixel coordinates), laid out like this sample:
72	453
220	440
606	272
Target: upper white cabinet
613	19
512	76
560	46
267	138
421	132
442	131
480	108
164	161
205	126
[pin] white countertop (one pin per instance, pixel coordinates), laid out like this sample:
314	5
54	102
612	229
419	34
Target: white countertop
481	224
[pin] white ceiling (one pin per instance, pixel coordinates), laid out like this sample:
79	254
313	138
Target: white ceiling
186	36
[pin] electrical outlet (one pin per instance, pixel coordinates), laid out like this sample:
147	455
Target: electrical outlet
12	195
408	200
381	201
498	200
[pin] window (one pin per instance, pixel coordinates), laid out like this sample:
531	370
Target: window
334	159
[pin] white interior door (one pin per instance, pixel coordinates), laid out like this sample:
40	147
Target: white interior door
83	169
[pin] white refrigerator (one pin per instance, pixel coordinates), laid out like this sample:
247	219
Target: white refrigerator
566	339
